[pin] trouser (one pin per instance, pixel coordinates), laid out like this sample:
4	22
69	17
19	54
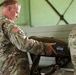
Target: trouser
72	45
17	63
73	58
23	64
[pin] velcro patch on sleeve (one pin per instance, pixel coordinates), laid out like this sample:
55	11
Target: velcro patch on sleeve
16	29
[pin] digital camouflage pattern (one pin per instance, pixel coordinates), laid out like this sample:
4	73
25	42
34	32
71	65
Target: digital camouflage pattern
13	47
72	46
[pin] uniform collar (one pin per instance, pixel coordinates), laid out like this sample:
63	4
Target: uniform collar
4	17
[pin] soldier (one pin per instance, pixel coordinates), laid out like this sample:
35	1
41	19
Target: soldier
72	46
14	43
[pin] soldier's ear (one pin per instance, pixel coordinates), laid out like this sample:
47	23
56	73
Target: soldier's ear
9	8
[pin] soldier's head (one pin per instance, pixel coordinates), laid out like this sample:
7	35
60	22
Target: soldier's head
10	9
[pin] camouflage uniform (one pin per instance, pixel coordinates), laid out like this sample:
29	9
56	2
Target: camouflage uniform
13	47
72	46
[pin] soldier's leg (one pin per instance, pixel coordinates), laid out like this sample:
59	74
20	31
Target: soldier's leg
23	64
72	45
16	62
73	57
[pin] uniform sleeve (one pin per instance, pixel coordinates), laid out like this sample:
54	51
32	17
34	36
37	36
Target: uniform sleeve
19	39
72	38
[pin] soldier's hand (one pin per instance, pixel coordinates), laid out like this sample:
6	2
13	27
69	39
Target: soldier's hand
50	49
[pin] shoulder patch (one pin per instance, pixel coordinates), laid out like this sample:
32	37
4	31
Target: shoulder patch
16	29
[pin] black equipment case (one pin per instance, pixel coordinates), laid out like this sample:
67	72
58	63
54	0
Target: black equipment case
63	52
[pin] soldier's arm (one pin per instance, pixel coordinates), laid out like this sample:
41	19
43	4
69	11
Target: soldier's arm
19	39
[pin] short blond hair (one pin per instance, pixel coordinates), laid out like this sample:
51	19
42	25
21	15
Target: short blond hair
8	2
